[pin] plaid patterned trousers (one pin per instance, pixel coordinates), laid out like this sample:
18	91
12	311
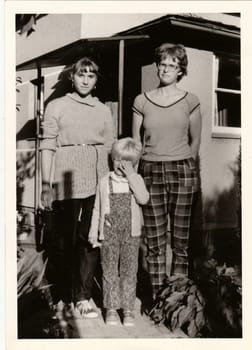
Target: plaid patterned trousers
171	185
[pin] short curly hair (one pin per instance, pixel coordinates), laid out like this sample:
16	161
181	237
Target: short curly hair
176	51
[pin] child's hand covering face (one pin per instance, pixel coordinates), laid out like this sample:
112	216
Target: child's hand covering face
126	167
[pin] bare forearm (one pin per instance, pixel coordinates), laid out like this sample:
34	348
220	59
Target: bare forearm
46	165
195	145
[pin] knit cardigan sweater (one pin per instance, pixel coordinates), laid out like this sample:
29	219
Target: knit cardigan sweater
140	196
68	121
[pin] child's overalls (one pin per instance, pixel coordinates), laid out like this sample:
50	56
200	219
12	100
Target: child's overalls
119	254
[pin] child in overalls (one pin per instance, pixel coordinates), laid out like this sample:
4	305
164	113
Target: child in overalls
116	226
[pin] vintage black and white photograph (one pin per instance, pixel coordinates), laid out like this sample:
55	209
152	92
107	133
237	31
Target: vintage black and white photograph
128	175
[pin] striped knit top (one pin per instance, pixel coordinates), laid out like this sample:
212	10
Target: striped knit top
166	127
69	122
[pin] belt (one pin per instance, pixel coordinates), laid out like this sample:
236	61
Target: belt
81	144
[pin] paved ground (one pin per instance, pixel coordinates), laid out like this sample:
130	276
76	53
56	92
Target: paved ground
96	328
144	327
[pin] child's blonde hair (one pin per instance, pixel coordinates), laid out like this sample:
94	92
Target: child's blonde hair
126	149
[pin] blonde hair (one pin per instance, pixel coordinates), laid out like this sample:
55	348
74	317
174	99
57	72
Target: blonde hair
126	149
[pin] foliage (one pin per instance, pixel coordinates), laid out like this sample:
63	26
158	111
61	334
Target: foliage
18	81
180	304
209	306
30	271
221	287
34	298
25	23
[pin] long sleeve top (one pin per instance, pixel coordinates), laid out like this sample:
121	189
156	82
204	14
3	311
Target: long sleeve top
70	121
140	196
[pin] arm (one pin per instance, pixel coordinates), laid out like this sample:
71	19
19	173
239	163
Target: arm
136	126
109	130
48	148
137	185
94	227
46	168
136	182
195	126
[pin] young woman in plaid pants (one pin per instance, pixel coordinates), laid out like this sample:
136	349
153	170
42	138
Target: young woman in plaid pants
171	120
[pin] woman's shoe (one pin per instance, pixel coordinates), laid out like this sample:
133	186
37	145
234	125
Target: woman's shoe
128	318
84	310
111	317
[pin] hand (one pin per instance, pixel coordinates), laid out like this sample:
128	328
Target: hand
94	242
126	167
46	196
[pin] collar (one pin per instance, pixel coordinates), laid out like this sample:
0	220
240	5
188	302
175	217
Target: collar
117	178
89	100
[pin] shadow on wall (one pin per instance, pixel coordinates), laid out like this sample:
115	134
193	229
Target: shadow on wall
218	234
62	86
222	204
25	167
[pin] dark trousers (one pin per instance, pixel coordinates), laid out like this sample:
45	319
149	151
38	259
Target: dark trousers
72	260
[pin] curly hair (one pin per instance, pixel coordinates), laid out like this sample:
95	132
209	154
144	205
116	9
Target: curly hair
177	52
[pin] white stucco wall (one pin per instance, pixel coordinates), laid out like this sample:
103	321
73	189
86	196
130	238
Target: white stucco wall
51	32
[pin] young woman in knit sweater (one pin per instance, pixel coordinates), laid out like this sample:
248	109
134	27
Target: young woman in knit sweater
76	139
116	226
171	120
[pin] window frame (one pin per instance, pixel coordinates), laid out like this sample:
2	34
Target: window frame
217	130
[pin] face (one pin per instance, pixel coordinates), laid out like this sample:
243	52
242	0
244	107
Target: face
168	71
84	82
116	166
117	163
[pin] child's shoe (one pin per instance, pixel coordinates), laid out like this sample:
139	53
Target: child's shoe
111	317
128	318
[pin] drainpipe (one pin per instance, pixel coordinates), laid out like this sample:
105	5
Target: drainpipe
39	114
120	85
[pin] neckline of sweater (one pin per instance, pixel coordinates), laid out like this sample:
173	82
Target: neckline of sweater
90	100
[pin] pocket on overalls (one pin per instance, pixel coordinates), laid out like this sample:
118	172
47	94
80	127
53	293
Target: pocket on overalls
188	176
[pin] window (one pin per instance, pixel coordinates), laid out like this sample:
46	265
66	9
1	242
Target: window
227	97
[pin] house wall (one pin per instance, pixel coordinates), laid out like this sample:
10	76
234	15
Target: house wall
62	30
25	143
218	156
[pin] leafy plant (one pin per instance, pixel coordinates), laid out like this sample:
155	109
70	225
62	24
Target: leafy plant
222	290
30	271
180	304
34	298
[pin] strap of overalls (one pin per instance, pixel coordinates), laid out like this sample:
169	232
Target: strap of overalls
110	186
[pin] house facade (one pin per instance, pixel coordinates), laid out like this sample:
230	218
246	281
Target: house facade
123	46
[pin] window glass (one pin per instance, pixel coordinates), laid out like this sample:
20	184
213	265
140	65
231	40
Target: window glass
227	116
228	109
229	73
